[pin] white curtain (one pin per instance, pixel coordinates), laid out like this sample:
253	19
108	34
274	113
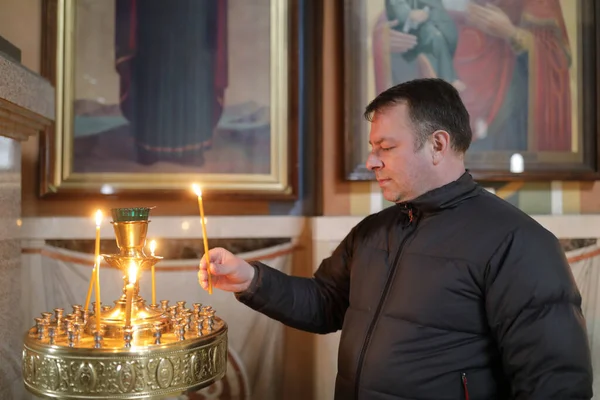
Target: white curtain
62	277
585	264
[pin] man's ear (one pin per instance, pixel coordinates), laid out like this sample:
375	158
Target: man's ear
440	143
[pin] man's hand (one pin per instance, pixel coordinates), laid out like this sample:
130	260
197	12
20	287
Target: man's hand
228	272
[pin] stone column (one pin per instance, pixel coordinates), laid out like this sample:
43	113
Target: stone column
26	108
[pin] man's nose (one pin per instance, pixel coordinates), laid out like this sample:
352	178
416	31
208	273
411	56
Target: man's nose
373	162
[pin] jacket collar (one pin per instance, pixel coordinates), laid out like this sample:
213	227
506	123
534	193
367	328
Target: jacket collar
446	196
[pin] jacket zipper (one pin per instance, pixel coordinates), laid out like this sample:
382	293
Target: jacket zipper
465	385
386	288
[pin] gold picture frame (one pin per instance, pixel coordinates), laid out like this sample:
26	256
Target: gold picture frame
59	175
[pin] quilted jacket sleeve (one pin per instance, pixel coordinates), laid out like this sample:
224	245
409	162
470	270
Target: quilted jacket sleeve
316	304
534	312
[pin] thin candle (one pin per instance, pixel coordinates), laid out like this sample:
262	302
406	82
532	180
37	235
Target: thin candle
97	294
198	192
96	254
97	259
89	293
152	249
129	293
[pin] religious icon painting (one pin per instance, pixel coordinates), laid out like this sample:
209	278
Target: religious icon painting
525	69
155	94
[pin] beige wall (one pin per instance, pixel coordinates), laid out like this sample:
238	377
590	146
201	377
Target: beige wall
21	26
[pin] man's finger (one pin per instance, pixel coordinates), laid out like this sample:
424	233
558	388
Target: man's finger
215	255
221	269
203	279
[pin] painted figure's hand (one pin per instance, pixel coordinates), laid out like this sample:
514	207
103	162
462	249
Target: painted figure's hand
491	20
419	16
228	272
399	42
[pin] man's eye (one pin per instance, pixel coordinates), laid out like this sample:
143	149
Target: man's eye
386	148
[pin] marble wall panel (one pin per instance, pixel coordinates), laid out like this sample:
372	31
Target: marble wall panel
10	272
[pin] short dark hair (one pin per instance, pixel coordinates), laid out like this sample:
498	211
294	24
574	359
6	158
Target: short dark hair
433	104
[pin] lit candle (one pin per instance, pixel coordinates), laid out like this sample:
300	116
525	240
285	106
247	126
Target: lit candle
129	293
152	249
198	192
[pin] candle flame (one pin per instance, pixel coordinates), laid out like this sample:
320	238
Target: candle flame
152	246
132	272
98	217
197	190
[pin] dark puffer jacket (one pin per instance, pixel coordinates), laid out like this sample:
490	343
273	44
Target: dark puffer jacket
455	295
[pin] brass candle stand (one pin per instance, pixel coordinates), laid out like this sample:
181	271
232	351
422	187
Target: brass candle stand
165	350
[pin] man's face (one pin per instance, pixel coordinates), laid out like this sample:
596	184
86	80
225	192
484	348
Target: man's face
401	170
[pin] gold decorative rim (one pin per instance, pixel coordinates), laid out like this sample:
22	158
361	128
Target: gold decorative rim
138	372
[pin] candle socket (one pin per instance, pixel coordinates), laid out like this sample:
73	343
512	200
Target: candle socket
77	331
128	336
199	325
164	305
180	329
51	334
209	316
97	340
77	311
157	332
58	315
39	323
46	316
71	337
197	309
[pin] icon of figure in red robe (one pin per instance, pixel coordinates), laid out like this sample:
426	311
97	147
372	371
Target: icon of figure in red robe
171	57
514	58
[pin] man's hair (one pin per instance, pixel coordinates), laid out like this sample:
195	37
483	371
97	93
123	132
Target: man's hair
433	104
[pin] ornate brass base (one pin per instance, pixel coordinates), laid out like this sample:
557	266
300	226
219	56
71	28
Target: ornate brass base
155	371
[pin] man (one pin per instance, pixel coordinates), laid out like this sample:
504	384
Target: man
450	294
